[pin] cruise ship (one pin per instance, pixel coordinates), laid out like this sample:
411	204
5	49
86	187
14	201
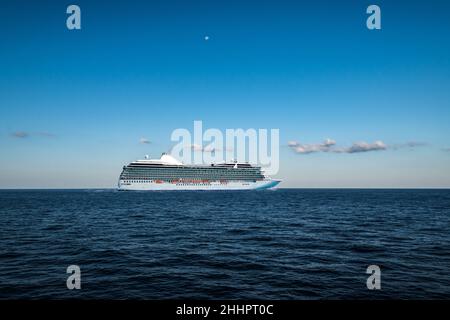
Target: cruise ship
167	173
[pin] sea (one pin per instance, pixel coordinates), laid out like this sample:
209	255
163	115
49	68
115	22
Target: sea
284	244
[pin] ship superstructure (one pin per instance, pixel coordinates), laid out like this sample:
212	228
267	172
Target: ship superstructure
167	173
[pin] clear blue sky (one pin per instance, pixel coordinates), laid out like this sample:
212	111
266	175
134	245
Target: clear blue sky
74	104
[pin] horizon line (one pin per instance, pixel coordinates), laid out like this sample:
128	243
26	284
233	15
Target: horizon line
285	188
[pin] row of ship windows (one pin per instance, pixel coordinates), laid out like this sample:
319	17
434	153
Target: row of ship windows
187	168
189	178
185	176
181	184
194	171
136	180
196	174
191	172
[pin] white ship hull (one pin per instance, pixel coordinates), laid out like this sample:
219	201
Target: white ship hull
214	185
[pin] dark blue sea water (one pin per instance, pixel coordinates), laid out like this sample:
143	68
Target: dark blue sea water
284	244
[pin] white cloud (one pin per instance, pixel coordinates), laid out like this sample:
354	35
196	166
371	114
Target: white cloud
46	134
20	134
199	148
24	134
409	144
329	142
363	147
310	148
329	145
144	141
196	147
